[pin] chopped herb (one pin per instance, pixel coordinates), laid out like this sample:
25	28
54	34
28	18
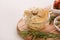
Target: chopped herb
38	34
52	18
24	33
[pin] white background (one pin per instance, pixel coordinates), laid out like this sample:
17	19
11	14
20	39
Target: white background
11	11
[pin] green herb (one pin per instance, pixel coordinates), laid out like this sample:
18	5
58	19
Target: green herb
52	18
24	33
38	34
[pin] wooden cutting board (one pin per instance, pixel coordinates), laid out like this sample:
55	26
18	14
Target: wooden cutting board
49	28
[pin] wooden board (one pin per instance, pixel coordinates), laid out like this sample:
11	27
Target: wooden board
49	28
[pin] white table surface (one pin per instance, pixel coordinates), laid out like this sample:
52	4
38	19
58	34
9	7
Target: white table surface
11	11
